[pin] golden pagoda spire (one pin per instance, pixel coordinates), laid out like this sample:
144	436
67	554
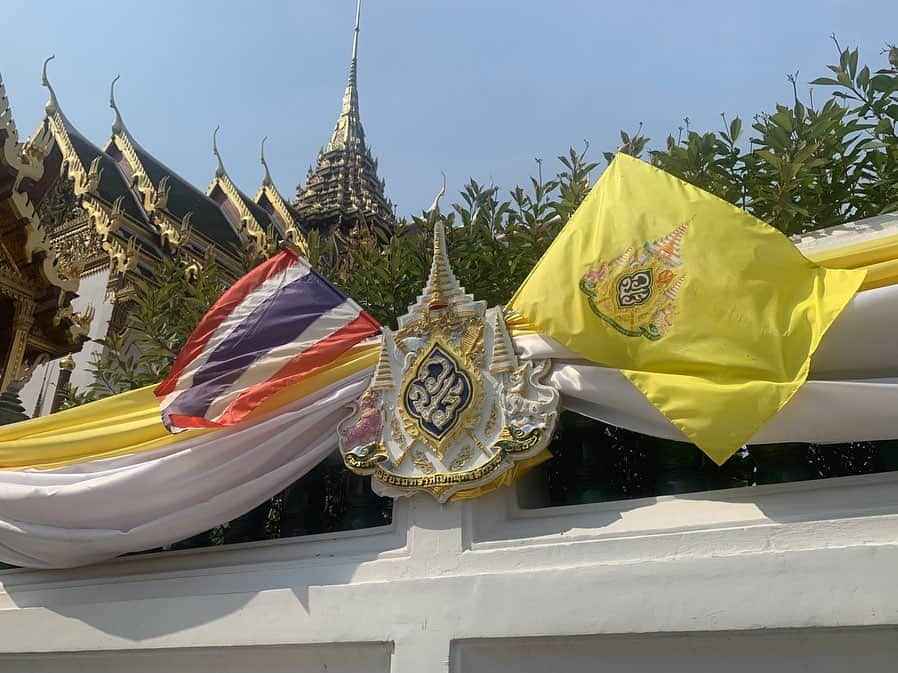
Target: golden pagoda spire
441	280
52	106
668	247
343	191
348	131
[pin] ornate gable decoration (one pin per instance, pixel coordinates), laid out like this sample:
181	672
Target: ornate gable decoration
450	408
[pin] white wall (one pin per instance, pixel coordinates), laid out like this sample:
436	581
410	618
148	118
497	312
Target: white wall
793	577
91	292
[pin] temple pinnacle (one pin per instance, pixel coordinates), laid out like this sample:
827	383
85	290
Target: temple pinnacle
52	105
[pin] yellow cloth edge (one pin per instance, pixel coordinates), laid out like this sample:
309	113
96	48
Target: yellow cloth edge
130	423
857	255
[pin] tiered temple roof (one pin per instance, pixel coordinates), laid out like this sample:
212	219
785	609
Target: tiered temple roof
344	187
281	213
70	209
37	320
241	211
173	204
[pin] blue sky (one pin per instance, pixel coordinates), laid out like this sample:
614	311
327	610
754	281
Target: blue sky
475	88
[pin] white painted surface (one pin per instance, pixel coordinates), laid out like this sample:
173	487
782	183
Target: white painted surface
91	292
797	577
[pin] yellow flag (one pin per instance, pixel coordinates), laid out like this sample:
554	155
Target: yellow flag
712	314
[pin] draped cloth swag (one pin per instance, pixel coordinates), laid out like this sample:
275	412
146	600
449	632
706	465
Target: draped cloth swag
97	481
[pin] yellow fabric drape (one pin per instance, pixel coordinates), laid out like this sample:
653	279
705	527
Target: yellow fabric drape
130	422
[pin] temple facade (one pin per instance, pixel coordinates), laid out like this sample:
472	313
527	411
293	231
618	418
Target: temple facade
81	222
38	282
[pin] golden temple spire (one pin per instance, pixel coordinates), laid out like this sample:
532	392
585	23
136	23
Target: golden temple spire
668	247
344	191
220	171
266	180
355	39
348	131
118	126
52	106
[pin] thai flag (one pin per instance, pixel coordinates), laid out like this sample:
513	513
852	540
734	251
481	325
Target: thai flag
276	325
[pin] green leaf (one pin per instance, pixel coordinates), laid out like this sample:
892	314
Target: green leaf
884	83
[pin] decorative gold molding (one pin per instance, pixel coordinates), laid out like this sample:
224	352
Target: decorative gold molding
24	164
122	258
247	219
83	179
223	181
269	191
29	165
78	323
173	233
152	198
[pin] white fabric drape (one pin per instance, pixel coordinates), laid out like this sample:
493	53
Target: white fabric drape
850	395
97	510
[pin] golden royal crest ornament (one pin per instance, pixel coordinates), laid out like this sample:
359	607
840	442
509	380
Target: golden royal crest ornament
449	408
636	292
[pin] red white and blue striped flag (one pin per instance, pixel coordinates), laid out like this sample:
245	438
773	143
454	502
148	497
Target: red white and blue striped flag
276	325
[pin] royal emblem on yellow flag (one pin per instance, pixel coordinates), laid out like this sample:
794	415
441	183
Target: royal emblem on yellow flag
636	293
712	314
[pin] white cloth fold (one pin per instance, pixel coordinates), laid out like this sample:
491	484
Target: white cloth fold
97	510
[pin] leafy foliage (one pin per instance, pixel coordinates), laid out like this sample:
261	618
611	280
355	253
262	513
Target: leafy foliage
806	166
161	316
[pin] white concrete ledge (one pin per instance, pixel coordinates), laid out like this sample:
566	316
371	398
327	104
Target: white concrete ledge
809	556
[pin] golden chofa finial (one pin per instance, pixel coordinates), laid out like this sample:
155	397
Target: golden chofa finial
52	106
118	126
220	171
266	180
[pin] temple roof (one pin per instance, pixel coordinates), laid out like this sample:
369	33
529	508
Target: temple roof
184	198
282	214
344	184
241	210
90	171
164	189
112	183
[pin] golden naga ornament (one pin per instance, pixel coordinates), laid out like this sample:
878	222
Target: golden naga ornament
449	408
